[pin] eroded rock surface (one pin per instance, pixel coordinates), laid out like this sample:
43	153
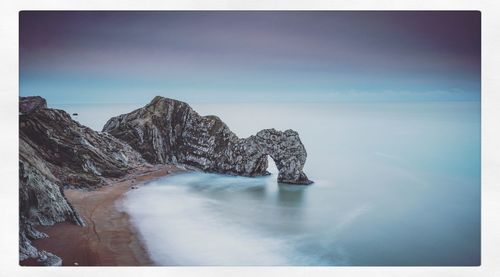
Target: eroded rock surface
66	151
170	131
55	151
287	151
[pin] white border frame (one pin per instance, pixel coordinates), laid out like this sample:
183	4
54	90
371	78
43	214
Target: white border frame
490	136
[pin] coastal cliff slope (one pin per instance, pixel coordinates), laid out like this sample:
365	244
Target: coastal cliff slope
170	131
54	151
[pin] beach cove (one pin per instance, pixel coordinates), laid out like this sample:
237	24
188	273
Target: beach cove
108	239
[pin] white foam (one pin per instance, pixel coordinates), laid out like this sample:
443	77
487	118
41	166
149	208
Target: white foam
179	227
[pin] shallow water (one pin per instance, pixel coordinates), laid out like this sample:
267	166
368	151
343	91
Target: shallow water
395	184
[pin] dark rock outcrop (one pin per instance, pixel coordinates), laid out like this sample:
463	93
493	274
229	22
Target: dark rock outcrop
41	202
55	151
170	131
32	103
66	151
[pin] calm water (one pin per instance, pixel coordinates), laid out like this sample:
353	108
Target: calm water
395	184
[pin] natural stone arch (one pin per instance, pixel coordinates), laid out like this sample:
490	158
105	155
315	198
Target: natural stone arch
287	152
170	131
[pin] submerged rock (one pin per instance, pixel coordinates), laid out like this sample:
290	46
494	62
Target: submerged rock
170	131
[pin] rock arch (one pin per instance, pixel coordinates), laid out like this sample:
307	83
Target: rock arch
170	131
287	152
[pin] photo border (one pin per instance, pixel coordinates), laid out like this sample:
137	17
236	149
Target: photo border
490	138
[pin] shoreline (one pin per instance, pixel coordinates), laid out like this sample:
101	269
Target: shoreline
109	238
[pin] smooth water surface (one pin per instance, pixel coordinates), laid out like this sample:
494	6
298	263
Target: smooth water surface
395	184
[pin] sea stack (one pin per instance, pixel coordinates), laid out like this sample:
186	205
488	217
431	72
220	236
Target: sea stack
170	131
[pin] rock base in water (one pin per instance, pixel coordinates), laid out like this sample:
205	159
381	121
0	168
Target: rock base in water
170	131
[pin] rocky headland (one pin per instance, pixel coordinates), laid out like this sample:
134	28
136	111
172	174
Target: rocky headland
56	152
170	131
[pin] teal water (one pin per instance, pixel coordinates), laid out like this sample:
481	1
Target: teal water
395	184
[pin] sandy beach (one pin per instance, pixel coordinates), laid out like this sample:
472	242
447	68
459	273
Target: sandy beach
108	239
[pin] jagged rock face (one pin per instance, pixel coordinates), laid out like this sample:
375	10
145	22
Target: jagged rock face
54	151
287	151
32	103
41	202
68	152
170	131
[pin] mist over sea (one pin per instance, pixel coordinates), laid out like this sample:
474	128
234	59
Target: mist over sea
396	183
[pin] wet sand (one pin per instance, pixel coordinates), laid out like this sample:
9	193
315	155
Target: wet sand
108	239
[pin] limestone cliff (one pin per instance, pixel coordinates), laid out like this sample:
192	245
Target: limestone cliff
170	131
74	154
55	151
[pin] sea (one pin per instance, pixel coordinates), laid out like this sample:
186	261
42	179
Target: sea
395	184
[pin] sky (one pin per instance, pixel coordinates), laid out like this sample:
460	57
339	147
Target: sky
314	56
